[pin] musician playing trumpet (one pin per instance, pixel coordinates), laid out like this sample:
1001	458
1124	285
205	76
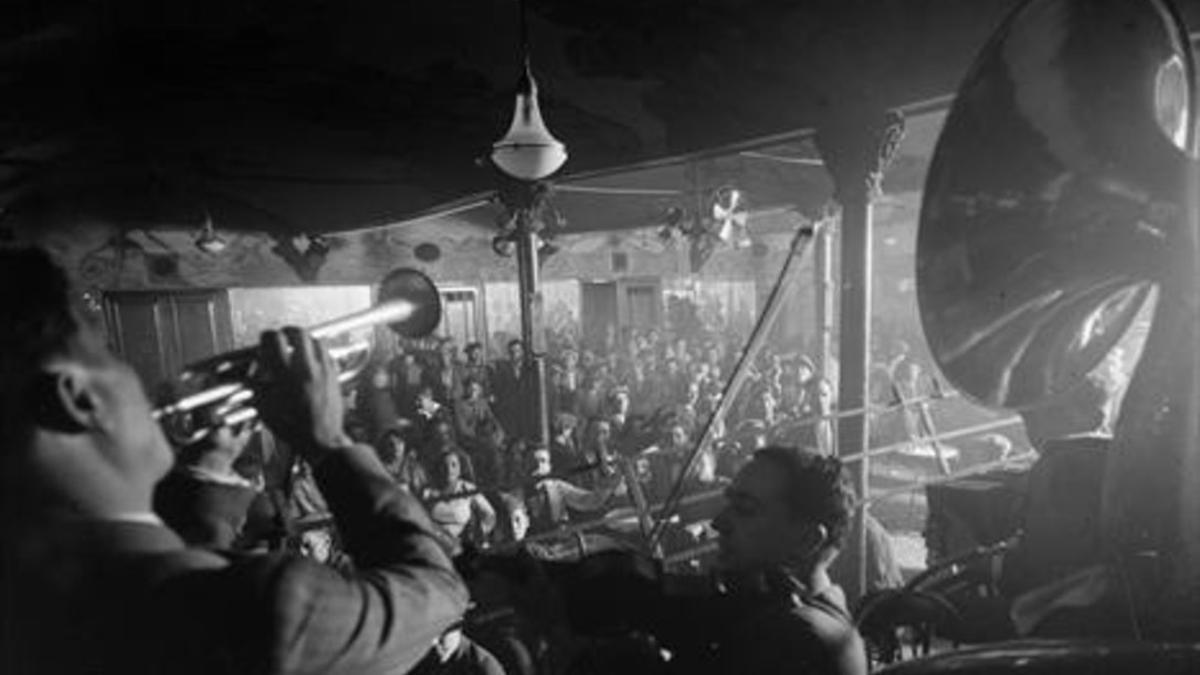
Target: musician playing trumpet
92	581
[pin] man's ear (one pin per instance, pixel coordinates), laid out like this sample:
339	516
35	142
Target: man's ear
65	401
815	538
822	533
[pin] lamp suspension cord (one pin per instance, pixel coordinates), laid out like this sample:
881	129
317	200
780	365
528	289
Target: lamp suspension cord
524	33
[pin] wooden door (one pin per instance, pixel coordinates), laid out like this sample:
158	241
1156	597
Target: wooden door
643	305
159	332
460	316
598	311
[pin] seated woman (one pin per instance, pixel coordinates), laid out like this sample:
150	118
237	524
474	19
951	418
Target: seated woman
455	504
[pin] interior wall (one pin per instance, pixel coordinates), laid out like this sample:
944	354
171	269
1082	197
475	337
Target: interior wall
103	256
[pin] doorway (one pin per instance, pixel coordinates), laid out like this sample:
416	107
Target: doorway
159	332
623	304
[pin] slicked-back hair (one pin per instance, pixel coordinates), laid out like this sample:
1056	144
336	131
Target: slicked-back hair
817	489
35	323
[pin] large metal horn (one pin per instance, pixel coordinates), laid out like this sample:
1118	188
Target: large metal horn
1055	196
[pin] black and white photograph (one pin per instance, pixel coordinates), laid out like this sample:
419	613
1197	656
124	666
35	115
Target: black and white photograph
582	337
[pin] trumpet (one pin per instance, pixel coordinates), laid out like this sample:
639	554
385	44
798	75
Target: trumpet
408	303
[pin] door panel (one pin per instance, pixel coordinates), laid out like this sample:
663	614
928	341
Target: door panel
134	332
158	333
642	304
459	311
599	311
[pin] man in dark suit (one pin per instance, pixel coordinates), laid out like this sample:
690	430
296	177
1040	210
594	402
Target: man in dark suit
512	389
92	581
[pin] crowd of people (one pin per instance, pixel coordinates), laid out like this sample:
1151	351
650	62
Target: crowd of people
624	417
625	411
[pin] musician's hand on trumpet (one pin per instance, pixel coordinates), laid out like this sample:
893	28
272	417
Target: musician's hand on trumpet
298	393
287	371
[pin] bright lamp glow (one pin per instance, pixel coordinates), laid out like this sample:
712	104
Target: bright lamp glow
528	151
1170	101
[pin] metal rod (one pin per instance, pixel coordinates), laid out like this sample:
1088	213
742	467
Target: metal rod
854	341
938	480
740	373
896	447
199	399
390	311
233	390
688	554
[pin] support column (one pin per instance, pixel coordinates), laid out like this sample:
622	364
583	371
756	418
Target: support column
826	304
856	146
532	330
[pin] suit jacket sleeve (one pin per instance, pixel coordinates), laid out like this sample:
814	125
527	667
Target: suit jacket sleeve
203	513
284	614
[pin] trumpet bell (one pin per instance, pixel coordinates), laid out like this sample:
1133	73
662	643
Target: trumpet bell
1054	197
417	289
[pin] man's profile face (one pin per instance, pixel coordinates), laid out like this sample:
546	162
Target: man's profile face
131	437
757	530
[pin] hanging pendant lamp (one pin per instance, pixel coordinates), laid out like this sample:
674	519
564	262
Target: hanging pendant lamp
528	151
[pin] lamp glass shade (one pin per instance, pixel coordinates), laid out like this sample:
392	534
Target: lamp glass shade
528	151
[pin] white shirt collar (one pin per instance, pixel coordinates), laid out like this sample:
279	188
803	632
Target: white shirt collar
135	517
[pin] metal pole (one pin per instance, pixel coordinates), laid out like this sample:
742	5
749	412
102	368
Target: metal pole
826	301
740	372
856	147
826	319
530	294
854	351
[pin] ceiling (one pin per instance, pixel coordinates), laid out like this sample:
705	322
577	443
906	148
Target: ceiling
315	115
